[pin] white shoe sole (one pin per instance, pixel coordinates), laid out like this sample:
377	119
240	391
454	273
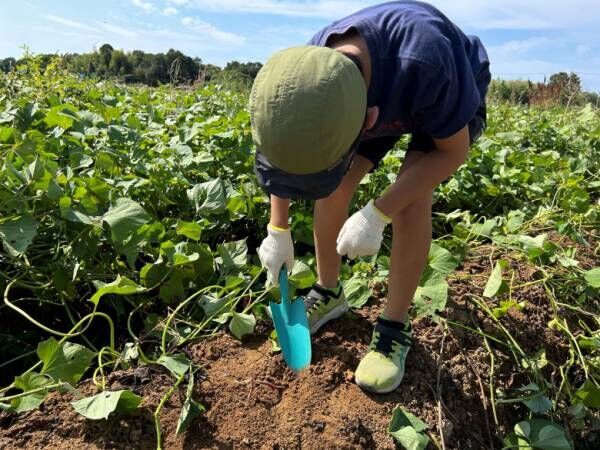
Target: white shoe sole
336	312
393	387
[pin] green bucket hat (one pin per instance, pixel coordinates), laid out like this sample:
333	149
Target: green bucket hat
307	107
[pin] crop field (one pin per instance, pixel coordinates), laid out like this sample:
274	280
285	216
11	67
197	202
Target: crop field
134	308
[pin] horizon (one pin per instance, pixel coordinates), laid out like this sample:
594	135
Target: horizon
521	39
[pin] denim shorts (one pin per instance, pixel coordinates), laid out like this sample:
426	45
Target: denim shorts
375	149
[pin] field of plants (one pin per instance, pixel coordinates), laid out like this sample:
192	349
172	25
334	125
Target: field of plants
133	310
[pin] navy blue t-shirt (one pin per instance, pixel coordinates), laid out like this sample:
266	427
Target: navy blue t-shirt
427	75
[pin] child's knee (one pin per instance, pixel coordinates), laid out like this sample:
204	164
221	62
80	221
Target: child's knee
415	212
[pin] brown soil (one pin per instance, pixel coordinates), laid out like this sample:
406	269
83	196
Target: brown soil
253	401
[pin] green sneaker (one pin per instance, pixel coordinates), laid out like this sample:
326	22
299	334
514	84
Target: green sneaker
382	368
323	305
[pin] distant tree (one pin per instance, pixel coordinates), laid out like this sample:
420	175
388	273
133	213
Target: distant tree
106	52
249	69
149	68
565	86
7	64
182	68
513	91
208	72
119	64
591	97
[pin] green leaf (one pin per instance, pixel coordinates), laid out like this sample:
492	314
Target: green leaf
17	234
101	405
65	362
209	197
402	418
441	260
29	382
485	228
124	217
177	254
514	221
190	409
529	242
233	255
35	170
567	261
593	277
357	291
121	286
410	439
431	297
275	347
589	343
151	274
505	306
539	405
61	116
214	305
7	135
173	289
177	364
204	267
495	280
408	430
543	434
190	230
589	394
75	216
302	277
242	324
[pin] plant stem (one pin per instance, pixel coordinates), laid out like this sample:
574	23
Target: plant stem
163	400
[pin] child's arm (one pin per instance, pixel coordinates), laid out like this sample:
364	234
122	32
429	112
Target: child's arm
277	248
279	212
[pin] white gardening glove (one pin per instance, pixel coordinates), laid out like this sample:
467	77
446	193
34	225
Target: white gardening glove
362	233
276	249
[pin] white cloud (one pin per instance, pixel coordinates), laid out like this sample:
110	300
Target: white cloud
146	6
508	14
210	31
70	23
118	30
67	33
329	9
170	11
178	2
519	48
519	14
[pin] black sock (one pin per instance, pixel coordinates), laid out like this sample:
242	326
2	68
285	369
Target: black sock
394	324
325	291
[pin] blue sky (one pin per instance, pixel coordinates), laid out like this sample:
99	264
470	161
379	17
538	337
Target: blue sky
525	39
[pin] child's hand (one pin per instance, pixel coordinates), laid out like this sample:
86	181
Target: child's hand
276	250
362	233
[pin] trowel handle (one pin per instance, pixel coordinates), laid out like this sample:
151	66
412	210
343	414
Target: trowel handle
283	284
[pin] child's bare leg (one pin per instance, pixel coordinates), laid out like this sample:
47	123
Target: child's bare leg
410	247
330	214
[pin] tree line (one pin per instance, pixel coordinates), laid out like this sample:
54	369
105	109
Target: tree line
561	88
147	68
176	68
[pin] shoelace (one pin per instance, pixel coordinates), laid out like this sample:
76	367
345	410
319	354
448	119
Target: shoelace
316	294
386	336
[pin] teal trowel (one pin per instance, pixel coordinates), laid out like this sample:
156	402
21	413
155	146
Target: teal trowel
291	325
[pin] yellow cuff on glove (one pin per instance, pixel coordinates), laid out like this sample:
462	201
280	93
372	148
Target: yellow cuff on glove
381	215
273	227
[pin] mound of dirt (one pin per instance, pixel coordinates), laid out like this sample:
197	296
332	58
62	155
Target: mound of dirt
253	401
